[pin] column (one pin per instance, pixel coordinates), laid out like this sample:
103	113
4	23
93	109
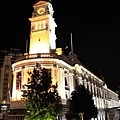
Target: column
25	76
71	82
14	96
54	75
61	83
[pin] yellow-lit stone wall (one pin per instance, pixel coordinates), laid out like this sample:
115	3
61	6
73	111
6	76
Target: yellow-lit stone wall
39	42
42	35
16	93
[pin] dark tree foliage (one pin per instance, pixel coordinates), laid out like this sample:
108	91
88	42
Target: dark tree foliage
41	97
81	102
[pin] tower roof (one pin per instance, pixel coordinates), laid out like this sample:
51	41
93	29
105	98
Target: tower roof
44	0
39	2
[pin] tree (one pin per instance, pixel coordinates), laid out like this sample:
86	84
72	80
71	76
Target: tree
41	97
81	102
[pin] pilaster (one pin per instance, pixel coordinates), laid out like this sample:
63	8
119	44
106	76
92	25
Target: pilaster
61	83
14	94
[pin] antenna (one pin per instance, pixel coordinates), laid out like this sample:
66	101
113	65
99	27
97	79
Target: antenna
71	43
26	45
101	74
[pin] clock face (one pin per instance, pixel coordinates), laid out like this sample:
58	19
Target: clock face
40	11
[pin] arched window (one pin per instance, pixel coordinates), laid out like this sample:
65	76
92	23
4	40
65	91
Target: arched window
66	84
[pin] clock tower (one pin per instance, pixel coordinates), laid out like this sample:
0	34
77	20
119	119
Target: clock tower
42	34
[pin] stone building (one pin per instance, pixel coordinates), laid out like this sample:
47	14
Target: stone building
66	70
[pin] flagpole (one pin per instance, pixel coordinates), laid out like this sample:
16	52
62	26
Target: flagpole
26	45
71	43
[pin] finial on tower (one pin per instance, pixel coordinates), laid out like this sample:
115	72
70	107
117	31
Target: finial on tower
44	0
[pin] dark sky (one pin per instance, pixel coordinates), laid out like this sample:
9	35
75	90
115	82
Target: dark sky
95	27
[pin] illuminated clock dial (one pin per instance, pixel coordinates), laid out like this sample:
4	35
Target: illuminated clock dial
40	11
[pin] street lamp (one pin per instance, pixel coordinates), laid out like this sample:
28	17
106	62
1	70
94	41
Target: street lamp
81	116
4	107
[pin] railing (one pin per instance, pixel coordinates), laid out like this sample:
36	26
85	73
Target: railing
16	117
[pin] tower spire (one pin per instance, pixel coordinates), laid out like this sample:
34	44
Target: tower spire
44	0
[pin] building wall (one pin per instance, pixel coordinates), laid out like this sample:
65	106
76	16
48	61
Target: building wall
5	81
68	77
66	70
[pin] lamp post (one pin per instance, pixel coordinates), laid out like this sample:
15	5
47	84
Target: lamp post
4	108
81	115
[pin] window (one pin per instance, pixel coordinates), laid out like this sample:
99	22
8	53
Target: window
18	81
5	79
6	70
39	25
5	87
6	66
5	83
4	92
4	97
43	25
6	75
33	27
66	84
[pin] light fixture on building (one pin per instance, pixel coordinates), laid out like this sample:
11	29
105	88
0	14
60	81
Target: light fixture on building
4	107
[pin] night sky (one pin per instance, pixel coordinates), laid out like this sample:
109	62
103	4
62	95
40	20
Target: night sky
95	28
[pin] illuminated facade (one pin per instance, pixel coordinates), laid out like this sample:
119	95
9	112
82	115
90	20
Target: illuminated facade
42	37
66	70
